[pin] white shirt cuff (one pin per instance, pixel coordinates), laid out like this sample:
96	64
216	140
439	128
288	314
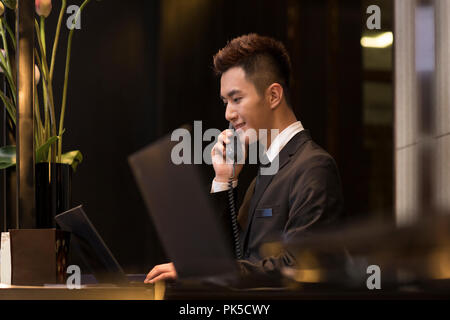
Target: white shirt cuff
221	186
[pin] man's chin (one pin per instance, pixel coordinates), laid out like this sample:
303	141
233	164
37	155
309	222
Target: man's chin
249	135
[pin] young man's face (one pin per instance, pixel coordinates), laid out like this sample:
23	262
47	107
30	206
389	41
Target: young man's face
245	108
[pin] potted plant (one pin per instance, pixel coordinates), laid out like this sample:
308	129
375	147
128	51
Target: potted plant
53	167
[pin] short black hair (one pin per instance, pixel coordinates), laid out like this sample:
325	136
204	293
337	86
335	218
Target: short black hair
264	60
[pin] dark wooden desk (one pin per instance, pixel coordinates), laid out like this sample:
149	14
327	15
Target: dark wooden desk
90	292
161	291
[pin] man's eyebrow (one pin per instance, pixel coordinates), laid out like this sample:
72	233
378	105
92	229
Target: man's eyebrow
231	93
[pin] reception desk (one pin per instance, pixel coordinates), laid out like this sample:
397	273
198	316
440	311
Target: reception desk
86	292
159	291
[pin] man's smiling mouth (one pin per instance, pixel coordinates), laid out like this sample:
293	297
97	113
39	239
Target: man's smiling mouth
238	126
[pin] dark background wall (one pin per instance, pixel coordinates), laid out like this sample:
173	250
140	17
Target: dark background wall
142	68
112	113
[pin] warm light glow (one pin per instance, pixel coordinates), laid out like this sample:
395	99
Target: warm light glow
383	40
311	276
439	264
304	275
308	269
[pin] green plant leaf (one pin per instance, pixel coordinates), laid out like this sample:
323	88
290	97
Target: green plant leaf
7	73
10	3
11	34
9	106
72	158
7	157
42	151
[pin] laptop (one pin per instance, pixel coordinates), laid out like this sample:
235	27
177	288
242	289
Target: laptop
183	216
92	250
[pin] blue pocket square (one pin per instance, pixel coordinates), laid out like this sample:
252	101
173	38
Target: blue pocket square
264	212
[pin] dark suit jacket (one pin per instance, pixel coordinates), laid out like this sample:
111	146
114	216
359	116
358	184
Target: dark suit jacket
305	194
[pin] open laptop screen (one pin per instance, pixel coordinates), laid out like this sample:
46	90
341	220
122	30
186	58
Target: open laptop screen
90	246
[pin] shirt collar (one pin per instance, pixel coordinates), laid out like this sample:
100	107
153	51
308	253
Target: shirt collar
282	139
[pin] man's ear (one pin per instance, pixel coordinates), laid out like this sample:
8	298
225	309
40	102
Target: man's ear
274	95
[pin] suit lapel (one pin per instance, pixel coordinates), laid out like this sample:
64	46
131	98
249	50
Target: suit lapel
264	180
245	207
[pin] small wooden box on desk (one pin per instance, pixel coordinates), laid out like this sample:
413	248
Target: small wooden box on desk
37	257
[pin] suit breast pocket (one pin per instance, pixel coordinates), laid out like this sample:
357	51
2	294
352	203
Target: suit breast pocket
266	212
267	224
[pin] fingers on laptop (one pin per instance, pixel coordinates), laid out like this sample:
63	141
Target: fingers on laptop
161	272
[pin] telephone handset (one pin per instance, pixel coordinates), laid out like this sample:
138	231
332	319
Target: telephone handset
231	154
231	150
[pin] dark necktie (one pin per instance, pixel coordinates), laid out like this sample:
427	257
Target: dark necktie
243	211
264	163
249	196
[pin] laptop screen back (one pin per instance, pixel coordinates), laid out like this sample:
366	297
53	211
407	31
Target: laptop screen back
184	218
90	246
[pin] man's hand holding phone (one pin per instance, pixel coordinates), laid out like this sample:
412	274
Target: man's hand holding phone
223	167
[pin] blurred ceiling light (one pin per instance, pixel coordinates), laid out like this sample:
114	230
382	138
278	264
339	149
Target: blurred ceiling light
382	40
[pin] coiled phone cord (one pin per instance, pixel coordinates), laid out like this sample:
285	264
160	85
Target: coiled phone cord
234	223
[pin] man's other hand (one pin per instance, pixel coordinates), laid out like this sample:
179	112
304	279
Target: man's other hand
161	272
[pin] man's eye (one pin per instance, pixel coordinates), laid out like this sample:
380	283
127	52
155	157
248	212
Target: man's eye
237	100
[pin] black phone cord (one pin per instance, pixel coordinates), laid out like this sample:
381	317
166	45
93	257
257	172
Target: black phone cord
234	223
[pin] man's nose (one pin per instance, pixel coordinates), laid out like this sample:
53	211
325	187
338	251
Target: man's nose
230	114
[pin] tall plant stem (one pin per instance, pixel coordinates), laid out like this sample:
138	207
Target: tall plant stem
37	118
39	130
42	34
47	89
66	80
55	42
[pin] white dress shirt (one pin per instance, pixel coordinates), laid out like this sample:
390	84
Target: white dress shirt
275	147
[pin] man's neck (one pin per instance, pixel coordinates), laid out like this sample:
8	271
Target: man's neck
280	123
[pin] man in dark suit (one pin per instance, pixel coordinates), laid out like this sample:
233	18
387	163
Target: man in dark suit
303	193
